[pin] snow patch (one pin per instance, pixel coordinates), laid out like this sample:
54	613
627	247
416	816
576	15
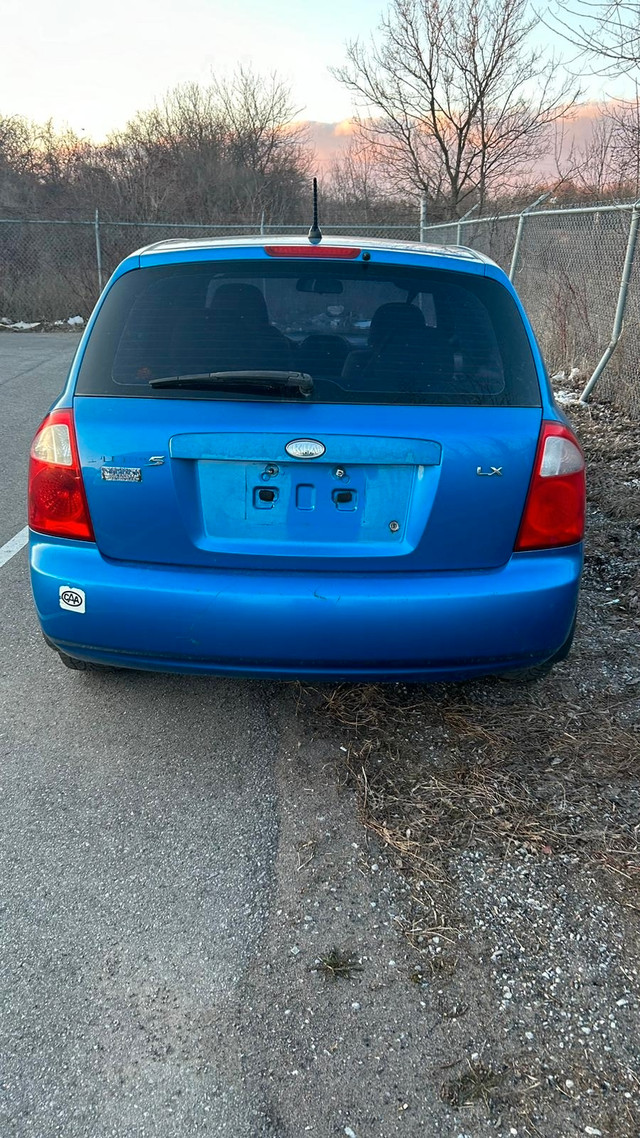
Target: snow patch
574	375
71	324
21	326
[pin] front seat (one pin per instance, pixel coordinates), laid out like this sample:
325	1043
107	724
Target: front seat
402	352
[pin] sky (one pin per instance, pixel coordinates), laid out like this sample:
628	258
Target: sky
92	66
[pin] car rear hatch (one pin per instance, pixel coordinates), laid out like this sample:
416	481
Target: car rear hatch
199	484
414	450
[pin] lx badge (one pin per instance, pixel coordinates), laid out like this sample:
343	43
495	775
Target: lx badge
489	473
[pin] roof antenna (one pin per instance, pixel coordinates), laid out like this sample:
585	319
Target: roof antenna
315	234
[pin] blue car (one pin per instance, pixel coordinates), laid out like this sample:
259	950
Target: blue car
283	458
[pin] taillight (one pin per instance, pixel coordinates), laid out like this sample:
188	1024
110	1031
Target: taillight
341	252
57	501
554	512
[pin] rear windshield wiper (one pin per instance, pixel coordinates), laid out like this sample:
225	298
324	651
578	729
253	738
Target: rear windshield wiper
263	380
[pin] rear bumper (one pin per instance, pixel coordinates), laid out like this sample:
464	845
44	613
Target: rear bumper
392	626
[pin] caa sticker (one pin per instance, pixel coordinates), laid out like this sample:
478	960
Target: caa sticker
72	599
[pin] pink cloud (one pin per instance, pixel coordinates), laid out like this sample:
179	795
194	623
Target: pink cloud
331	139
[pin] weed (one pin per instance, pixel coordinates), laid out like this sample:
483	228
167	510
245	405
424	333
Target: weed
337	965
478	1084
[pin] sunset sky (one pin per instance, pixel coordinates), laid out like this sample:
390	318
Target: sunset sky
93	66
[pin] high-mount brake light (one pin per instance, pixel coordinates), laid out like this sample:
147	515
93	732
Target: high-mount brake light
57	501
336	252
554	511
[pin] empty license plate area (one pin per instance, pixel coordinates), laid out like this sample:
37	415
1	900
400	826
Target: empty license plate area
243	495
284	488
295	505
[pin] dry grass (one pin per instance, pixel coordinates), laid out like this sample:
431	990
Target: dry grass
478	1083
551	768
517	774
516	1086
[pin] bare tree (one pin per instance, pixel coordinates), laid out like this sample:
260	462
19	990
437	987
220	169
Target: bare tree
597	170
259	117
454	98
16	144
357	190
626	117
607	163
43	169
221	152
354	184
605	34
605	31
17	177
225	151
588	168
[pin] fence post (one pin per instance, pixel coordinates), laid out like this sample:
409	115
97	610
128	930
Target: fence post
520	230
423	218
620	306
262	224
460	221
96	226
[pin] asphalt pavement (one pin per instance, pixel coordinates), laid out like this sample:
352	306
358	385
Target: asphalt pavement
33	369
176	852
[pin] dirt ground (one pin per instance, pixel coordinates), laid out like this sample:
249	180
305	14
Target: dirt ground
511	813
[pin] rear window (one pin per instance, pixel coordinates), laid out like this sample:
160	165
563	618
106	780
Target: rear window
365	333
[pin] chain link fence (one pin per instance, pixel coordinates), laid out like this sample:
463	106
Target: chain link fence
50	270
568	266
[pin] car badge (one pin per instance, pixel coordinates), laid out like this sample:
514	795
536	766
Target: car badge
489	473
121	474
305	448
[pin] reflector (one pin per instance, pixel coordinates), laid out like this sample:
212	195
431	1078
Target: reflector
560	456
53	444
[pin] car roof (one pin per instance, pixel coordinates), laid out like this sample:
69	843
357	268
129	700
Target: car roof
175	245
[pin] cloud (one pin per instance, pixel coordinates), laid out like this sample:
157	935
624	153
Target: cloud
331	139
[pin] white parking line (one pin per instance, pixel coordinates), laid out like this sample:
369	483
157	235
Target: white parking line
13	546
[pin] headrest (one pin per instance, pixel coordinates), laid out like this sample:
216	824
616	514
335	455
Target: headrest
392	320
239	302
